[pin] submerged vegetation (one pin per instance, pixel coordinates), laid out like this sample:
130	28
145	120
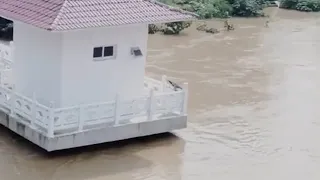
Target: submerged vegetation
169	28
301	5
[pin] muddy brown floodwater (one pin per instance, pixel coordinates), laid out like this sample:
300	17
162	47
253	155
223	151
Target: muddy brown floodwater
254	111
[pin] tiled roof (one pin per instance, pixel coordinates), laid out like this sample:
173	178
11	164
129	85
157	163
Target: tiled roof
61	15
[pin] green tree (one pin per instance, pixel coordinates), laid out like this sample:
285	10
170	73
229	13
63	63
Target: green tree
247	8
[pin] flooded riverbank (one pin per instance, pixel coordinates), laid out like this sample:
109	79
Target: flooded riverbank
253	114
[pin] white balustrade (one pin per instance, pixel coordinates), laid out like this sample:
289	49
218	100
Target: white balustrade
6	52
151	105
133	108
185	98
22	106
158	86
5	97
19	105
161	100
170	102
118	111
150	83
6	63
97	113
66	118
6	77
42	114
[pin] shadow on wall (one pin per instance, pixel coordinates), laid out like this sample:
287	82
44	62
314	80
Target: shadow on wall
6	29
106	159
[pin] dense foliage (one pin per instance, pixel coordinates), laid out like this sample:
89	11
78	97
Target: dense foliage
212	8
207	8
247	8
220	8
301	5
217	8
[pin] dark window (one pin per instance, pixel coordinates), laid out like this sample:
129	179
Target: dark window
108	51
97	52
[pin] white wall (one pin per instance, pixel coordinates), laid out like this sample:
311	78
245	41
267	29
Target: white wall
59	67
88	81
37	62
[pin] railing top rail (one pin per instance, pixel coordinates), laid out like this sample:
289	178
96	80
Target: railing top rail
84	105
27	99
152	80
99	104
22	96
65	108
169	93
42	106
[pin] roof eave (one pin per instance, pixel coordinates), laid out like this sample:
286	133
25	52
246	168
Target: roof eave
123	25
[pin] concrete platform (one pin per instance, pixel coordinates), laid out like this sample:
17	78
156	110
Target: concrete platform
94	136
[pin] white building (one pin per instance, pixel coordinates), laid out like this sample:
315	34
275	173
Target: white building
77	69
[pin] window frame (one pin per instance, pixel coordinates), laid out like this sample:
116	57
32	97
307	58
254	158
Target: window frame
102	58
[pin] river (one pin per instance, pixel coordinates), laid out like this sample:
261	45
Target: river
253	111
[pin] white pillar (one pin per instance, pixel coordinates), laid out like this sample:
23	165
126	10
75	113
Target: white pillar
163	82
12	100
51	121
116	110
81	118
185	99
34	110
1	75
11	54
150	106
2	54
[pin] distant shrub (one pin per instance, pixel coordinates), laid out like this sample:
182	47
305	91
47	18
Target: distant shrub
169	28
175	27
301	5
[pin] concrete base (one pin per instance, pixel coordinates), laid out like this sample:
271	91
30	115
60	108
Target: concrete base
94	136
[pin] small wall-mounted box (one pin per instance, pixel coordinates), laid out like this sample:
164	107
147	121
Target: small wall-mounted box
136	51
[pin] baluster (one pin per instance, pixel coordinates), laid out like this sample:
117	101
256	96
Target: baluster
150	109
185	99
81	118
51	121
164	83
2	97
1	72
12	100
116	110
1	54
34	110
